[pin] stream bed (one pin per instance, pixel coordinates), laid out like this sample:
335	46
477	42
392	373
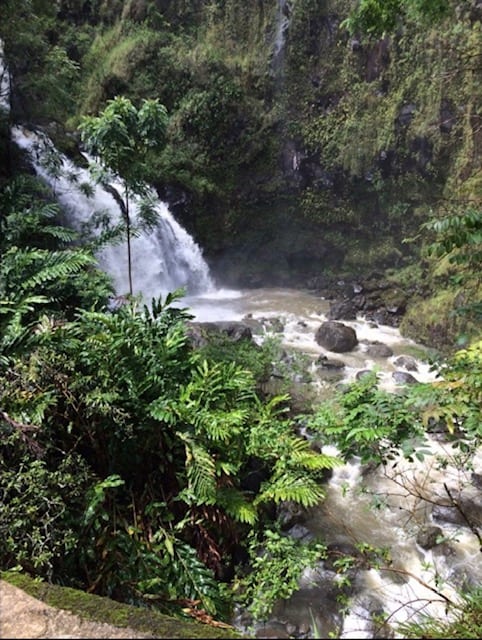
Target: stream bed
430	554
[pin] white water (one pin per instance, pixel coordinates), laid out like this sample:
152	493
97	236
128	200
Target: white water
404	493
163	260
167	259
282	25
4	82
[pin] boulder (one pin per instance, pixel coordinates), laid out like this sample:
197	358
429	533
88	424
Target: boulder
379	350
363	373
429	536
199	332
467	511
336	336
402	377
407	362
342	310
329	363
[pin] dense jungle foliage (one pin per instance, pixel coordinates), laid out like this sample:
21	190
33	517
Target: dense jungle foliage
137	466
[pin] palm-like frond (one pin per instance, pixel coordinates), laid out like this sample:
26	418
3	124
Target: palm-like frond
57	264
193	579
15	336
290	486
28	269
221	425
303	456
201	471
236	505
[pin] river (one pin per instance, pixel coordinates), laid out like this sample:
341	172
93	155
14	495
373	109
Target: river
389	507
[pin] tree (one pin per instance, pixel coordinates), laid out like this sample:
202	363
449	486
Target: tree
122	138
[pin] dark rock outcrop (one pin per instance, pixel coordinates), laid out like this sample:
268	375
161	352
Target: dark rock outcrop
336	336
199	332
402	377
379	350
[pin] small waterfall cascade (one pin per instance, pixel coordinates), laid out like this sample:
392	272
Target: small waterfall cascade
163	259
283	18
4	82
393	508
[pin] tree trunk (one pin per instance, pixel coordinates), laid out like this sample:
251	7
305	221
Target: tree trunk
128	235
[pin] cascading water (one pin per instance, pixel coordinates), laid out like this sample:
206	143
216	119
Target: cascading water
353	511
163	260
4	82
283	17
396	507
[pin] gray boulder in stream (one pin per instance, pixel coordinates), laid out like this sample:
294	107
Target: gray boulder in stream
336	336
402	377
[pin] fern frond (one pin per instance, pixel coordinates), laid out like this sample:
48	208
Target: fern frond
193	580
291	487
236	505
314	461
219	426
58	264
201	471
223	467
164	410
61	233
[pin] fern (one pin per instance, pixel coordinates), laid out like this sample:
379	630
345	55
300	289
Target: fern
66	236
236	505
16	336
278	562
56	265
303	456
220	425
201	471
288	486
184	576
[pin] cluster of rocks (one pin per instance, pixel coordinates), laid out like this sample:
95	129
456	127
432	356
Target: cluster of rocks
376	298
332	335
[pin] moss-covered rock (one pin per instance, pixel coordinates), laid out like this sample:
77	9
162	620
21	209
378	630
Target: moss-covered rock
100	609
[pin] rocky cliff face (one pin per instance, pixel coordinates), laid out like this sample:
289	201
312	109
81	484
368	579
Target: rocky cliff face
341	145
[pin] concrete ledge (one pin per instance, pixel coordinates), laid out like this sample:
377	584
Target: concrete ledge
31	609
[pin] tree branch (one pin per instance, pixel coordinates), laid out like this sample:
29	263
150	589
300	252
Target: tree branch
24	430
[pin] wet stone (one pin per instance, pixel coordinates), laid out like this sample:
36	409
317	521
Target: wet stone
428	537
402	377
272	630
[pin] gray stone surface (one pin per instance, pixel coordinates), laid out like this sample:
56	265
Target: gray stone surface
22	616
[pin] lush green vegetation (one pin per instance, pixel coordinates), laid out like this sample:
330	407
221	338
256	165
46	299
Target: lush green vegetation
126	455
137	467
132	464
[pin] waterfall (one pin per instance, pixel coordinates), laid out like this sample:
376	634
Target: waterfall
164	259
4	82
283	17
